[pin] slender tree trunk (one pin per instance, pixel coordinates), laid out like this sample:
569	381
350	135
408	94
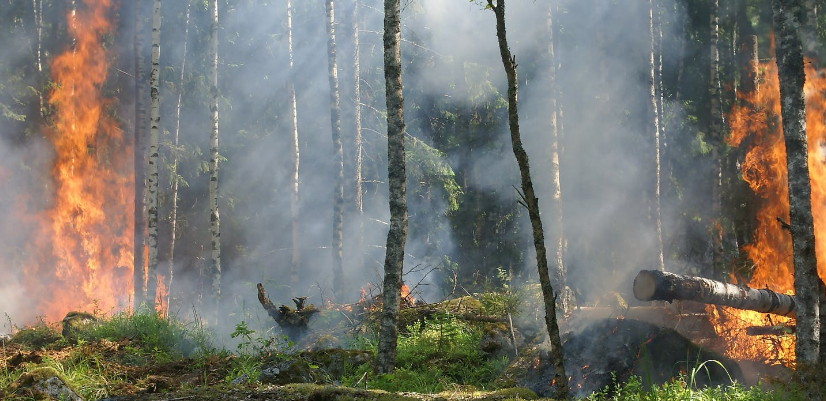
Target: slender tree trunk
152	173
358	199
663	147
560	278
37	7
139	276
715	128
215	221
807	284
295	260
396	236
531	202
173	218
653	129
338	156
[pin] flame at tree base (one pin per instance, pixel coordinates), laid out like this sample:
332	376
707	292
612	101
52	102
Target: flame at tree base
756	124
81	256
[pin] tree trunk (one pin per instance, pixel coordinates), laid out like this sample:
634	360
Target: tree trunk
560	277
338	156
152	173
653	285
653	129
37	8
807	284
531	202
396	236
715	137
173	218
295	260
358	199
139	276
215	226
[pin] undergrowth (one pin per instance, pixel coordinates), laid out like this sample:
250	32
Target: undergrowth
682	389
438	355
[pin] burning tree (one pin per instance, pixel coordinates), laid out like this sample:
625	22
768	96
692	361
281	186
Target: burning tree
807	285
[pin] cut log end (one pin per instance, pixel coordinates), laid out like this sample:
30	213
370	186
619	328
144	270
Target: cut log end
645	286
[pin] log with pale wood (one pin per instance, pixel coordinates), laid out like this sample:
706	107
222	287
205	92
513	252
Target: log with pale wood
655	285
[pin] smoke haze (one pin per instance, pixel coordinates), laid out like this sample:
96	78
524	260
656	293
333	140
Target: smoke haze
606	160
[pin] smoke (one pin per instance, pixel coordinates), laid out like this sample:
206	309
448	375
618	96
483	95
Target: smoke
606	159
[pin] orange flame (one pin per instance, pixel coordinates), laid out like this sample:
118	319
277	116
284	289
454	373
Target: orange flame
407	296
82	256
756	123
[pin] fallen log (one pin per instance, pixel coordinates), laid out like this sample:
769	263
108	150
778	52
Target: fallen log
655	285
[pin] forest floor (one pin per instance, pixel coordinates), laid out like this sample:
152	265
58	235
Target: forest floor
444	353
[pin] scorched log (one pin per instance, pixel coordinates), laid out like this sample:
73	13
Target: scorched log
655	285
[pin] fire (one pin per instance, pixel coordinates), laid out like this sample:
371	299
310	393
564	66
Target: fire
81	257
756	124
407	297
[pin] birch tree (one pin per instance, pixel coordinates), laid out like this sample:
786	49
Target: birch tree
139	242
214	219
173	218
152	173
807	284
559	278
295	260
358	200
653	128
338	156
397	235
530	201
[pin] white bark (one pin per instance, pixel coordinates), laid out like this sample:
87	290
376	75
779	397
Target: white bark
214	219
295	263
174	173
152	172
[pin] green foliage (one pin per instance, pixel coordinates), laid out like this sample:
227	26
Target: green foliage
41	335
428	167
151	336
503	300
437	354
681	389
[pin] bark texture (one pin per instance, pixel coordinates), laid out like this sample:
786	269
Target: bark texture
338	156
139	269
808	287
215	221
397	235
152	173
531	202
654	285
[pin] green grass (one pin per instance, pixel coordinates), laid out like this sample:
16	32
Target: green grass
681	390
152	338
438	356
